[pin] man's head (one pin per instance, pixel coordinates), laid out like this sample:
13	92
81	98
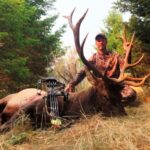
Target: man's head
100	36
101	42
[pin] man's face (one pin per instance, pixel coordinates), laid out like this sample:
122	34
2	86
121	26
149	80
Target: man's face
101	44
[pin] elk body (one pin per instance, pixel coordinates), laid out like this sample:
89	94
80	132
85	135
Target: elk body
103	96
88	101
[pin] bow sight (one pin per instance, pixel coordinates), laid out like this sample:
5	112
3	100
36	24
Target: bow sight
54	89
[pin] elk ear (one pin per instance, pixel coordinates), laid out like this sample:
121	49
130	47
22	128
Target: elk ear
91	77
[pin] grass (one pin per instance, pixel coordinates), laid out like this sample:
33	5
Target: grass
95	132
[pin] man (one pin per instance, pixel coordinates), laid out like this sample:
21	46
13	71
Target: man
102	60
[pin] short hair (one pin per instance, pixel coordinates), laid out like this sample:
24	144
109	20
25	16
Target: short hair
100	36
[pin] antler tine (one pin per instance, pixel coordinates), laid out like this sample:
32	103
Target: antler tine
124	36
82	46
81	19
137	62
128	54
131	83
137	79
76	28
76	33
129	47
126	64
70	19
90	66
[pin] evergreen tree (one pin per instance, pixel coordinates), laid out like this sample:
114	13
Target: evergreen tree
140	20
114	27
27	40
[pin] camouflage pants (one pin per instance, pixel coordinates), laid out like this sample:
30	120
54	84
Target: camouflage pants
128	95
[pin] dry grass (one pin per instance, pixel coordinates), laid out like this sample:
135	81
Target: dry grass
89	133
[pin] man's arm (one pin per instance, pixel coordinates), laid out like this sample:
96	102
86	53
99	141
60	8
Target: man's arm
79	77
115	64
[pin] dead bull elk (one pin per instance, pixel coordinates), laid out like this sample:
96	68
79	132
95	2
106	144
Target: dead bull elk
103	96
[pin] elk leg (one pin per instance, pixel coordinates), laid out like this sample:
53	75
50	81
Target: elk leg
2	106
8	124
25	109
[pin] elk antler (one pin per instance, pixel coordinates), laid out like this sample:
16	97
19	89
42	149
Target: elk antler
122	77
129	80
124	38
79	48
125	42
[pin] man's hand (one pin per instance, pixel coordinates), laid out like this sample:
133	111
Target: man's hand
113	63
69	88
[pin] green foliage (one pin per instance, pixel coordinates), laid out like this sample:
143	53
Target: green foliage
28	40
142	29
138	7
3	35
18	139
114	27
16	68
140	22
